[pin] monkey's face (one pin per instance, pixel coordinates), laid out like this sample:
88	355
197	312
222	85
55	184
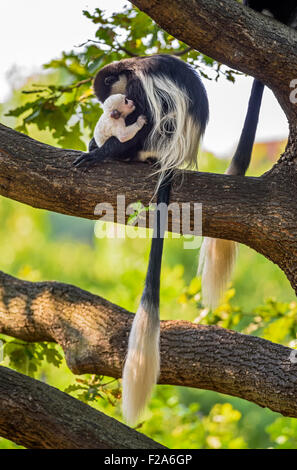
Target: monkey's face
110	80
114	77
122	77
126	106
118	103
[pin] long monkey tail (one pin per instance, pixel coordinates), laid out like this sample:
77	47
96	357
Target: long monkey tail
217	257
142	364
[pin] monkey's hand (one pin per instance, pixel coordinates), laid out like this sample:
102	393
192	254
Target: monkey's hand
86	160
112	149
92	145
141	121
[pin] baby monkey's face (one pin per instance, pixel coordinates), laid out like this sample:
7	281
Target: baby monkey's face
119	103
126	106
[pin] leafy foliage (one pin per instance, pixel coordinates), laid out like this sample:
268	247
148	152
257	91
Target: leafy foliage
283	433
94	387
189	427
27	358
275	321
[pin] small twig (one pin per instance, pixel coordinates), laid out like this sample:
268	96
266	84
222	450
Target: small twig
130	53
116	47
185	51
108	383
119	47
76	85
58	91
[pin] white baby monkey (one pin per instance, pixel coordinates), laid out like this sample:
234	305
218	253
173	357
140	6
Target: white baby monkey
112	122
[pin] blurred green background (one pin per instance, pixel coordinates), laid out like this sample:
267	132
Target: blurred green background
38	245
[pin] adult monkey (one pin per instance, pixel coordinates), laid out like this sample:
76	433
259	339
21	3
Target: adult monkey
217	256
171	95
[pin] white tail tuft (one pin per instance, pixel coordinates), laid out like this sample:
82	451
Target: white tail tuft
142	365
216	262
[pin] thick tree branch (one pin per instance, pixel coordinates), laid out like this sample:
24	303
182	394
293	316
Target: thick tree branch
94	333
258	212
234	35
38	416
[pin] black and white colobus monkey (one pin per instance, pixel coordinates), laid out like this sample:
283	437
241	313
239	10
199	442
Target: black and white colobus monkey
217	257
171	95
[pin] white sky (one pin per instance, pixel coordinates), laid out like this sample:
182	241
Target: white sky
34	31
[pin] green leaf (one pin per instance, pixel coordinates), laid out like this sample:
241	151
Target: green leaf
72	138
95	65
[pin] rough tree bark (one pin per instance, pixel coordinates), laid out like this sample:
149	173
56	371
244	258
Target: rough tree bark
264	218
234	35
94	335
38	416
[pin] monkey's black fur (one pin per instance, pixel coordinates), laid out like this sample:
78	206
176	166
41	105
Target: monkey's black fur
284	11
152	281
242	156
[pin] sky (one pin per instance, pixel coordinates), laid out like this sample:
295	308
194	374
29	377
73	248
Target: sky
34	31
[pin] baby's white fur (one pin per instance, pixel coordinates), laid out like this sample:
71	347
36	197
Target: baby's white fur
108	126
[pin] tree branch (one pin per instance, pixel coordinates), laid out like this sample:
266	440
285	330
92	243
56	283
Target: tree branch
94	334
234	35
38	416
258	212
